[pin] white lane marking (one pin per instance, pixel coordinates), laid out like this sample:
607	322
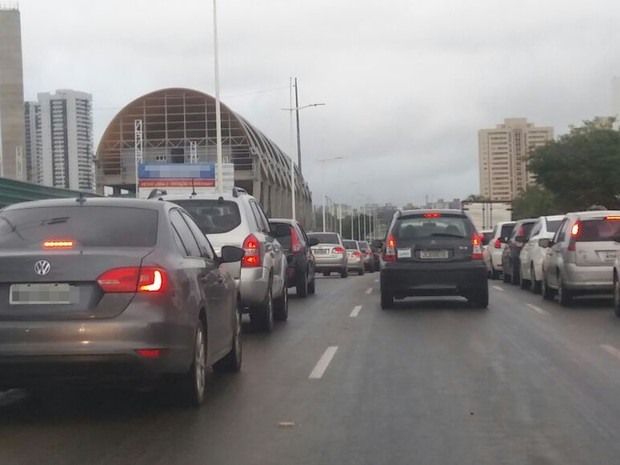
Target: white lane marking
369	290
497	288
356	311
323	363
611	350
376	280
538	310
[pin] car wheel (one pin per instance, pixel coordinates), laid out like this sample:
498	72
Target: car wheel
344	273
232	360
261	316
479	298
302	284
515	277
280	306
534	283
387	298
616	296
523	283
361	271
545	290
564	295
193	384
312	286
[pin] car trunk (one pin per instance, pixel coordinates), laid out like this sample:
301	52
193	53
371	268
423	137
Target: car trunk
434	249
69	289
595	242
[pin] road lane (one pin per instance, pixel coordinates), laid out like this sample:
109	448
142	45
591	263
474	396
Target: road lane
430	382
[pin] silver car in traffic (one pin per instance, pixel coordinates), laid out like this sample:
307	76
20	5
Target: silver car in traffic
330	255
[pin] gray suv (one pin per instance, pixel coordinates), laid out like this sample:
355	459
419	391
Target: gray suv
236	218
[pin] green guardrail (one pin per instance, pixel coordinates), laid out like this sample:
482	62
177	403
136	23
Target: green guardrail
12	191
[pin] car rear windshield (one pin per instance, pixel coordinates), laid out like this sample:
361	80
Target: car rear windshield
599	230
87	226
326	238
282	232
364	245
553	225
507	230
212	216
350	245
525	229
419	227
486	237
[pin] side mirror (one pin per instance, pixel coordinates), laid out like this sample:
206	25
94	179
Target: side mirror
545	242
231	254
312	241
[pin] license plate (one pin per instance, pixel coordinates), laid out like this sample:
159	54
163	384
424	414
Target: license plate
433	254
403	253
40	294
321	251
609	256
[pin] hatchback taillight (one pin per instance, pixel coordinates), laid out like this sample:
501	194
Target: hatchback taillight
133	279
357	254
476	253
497	244
251	246
390	249
338	250
295	244
574	235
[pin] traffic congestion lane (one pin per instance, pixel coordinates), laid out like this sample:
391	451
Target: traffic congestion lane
432	381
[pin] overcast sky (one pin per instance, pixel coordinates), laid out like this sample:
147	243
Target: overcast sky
407	84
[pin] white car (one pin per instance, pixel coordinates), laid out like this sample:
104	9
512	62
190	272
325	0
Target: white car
532	254
493	252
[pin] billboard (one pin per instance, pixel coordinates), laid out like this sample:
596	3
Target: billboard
162	176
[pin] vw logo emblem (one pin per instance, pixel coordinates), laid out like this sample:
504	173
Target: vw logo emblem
42	267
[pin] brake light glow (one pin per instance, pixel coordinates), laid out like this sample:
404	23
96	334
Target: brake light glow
477	248
357	254
295	244
390	249
150	353
58	244
338	250
432	215
497	244
574	233
612	218
132	279
251	258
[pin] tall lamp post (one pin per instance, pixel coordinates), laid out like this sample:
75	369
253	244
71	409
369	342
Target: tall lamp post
218	115
323	161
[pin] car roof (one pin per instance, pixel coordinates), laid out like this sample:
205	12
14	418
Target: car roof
427	210
282	220
593	214
93	202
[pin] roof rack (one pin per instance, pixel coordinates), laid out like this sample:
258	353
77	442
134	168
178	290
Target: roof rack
236	191
156	193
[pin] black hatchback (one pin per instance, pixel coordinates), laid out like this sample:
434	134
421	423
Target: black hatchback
433	253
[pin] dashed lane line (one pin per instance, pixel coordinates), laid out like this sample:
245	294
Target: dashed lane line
323	363
369	290
497	288
538	310
356	311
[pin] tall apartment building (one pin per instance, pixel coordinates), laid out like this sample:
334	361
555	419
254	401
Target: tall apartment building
11	95
615	96
59	141
503	154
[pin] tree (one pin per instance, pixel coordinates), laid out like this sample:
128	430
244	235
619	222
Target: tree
475	198
582	168
534	202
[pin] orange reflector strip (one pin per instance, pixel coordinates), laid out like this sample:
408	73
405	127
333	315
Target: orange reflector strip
58	244
613	218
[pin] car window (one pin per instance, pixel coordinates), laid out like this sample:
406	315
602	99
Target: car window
261	220
420	226
560	234
212	216
553	225
363	245
536	229
204	244
506	231
188	239
87	226
598	230
349	245
326	238
282	232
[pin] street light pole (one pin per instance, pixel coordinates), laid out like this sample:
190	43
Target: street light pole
218	116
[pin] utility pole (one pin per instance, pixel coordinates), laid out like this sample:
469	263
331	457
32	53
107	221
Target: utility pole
218	114
298	131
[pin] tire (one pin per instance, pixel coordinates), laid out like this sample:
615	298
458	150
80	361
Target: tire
280	306
387	298
616	296
495	274
261	316
565	296
534	283
480	298
326	273
231	362
312	286
192	385
361	272
545	290
505	277
302	285
344	273
515	278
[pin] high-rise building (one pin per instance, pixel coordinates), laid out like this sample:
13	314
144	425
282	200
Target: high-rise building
615	96
59	143
11	95
503	155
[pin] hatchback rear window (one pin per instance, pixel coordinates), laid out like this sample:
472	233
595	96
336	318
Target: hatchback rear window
282	232
364	245
87	226
212	216
554	225
507	230
350	245
599	230
418	227
326	238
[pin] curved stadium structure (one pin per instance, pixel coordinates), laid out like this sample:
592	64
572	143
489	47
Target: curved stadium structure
172	120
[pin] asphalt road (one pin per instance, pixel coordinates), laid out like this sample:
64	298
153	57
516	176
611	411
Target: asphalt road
343	382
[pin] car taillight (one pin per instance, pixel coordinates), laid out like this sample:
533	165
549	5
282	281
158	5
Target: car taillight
58	244
476	253
357	254
338	250
132	279
432	215
574	234
497	244
390	249
368	252
295	244
251	259
150	353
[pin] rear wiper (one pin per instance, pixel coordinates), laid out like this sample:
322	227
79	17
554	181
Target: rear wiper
447	235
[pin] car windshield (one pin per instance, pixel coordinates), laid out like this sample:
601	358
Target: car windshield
363	245
349	245
212	216
422	227
325	238
94	226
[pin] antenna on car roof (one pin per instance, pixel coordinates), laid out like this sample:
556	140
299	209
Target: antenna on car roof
193	188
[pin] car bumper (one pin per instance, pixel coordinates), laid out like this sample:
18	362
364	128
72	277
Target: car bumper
330	263
429	279
253	285
355	264
588	278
